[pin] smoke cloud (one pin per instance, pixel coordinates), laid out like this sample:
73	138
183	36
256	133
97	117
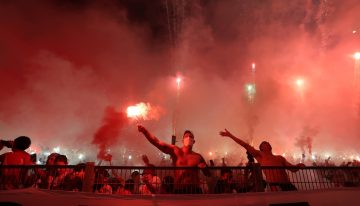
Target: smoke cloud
108	133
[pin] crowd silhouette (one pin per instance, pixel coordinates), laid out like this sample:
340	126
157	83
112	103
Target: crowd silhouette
18	170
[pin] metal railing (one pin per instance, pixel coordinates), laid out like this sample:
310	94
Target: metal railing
126	180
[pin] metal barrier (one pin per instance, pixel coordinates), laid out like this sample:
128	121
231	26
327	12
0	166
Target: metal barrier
126	180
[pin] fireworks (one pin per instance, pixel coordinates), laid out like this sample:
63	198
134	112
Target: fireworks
178	84
143	111
178	81
356	55
300	86
356	80
56	149
250	90
81	156
138	111
299	83
176	110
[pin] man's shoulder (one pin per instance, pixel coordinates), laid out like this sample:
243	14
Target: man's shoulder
17	157
197	154
7	153
176	149
22	154
280	157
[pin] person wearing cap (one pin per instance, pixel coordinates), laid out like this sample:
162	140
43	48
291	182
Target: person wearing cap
187	180
276	178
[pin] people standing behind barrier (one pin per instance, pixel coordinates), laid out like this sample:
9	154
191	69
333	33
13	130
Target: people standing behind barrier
151	182
101	178
167	185
211	181
74	180
117	186
225	184
129	186
135	176
45	176
186	181
276	178
13	178
57	181
252	176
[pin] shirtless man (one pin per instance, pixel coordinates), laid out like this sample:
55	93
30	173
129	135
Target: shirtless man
186	181
275	177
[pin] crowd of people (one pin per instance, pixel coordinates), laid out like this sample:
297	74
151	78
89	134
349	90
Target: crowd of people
184	178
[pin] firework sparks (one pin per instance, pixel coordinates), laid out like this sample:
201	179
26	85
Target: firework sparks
175	115
300	86
178	81
299	83
250	89
143	111
356	55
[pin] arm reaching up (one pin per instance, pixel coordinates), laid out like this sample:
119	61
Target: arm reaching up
146	160
254	152
162	146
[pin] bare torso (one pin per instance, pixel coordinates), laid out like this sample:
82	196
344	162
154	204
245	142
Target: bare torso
183	158
273	175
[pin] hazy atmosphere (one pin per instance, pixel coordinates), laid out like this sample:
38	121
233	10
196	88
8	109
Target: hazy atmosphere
281	71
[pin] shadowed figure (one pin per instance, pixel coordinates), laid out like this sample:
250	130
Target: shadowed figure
186	181
274	177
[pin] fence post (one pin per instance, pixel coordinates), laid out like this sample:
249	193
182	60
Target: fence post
259	181
89	177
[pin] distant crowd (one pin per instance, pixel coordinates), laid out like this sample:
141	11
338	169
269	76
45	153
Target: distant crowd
180	180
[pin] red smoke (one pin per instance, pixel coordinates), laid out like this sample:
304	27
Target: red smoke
109	132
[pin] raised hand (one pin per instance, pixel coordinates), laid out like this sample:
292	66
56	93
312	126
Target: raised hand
141	128
145	159
225	133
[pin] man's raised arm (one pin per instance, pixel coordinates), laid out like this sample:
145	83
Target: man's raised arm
162	146
254	152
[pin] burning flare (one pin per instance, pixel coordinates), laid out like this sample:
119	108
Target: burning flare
143	111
